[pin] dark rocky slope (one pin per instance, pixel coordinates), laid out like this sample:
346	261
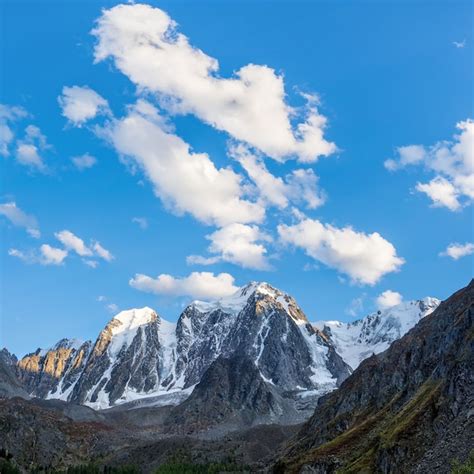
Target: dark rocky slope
231	395
10	386
408	409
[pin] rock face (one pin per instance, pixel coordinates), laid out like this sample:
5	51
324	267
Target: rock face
10	386
408	409
52	373
138	354
232	393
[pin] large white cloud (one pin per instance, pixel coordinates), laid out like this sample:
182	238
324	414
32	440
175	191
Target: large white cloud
203	285
145	45
364	257
388	299
20	219
457	251
185	181
239	244
451	161
80	104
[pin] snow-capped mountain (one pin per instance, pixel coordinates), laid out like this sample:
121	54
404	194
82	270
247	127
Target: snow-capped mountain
139	355
373	334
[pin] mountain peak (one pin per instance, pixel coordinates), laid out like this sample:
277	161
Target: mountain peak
237	301
131	319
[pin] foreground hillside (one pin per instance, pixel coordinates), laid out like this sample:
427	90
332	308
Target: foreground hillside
409	409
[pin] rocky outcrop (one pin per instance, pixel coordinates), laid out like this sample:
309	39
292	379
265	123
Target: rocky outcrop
408	409
231	392
10	386
53	371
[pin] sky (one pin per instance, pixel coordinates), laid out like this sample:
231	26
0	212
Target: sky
152	154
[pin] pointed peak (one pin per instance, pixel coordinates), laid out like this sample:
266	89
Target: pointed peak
132	318
260	287
67	344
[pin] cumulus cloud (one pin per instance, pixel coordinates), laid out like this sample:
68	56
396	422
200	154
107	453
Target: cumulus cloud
185	181
388	299
452	162
47	255
365	258
457	251
145	45
239	244
299	186
80	104
20	219
203	285
441	192
52	255
84	162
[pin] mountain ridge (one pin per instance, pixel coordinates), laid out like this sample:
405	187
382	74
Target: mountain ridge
140	355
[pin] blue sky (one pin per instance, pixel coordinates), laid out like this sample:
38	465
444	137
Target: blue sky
387	75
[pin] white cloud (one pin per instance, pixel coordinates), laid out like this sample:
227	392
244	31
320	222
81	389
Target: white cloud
102	252
302	186
73	242
364	257
407	155
20	254
52	255
76	244
144	43
8	115
185	181
27	154
80	104
239	244
441	192
203	285
20	219
451	161
299	186
457	251
28	149
46	255
83	162
388	299
91	263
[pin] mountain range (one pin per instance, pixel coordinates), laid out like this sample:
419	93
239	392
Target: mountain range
249	378
141	356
